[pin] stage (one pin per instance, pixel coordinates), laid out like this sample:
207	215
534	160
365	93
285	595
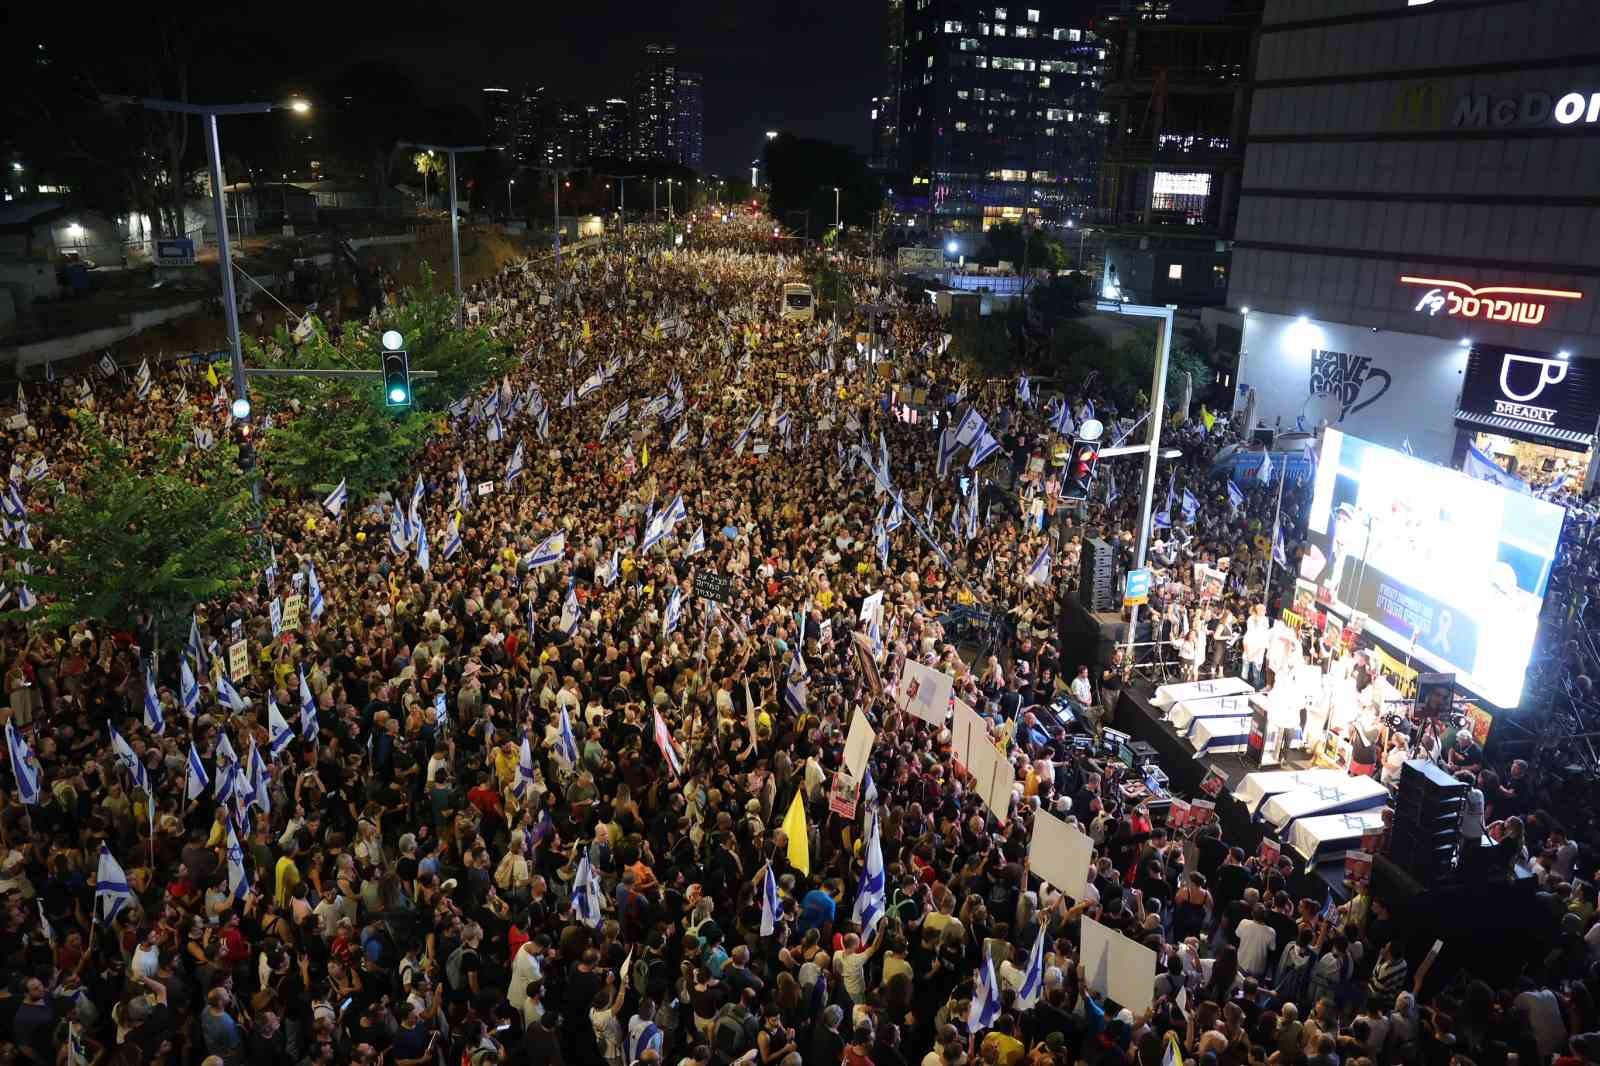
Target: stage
1316	815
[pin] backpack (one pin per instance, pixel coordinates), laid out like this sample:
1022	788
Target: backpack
452	968
728	1036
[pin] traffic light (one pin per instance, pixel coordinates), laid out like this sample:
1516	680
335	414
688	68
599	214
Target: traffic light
396	379
1080	470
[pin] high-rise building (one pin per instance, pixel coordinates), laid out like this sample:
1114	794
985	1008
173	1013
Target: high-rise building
612	135
499	113
655	104
880	128
691	120
528	124
998	111
886	123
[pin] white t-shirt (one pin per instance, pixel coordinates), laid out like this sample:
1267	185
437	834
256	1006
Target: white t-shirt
1256	942
524	968
1543	1012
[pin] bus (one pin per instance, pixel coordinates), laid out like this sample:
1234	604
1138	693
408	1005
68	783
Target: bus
797	302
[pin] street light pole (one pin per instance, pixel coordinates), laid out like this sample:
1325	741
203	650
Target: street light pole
455	219
836	211
622	186
557	174
509	182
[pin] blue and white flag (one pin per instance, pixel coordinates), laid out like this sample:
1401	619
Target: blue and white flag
655	406
278	732
542	423
111	889
398	540
673	614
570	399
1480	466
334	504
1061	421
1032	974
452	537
198	778
463	490
414	512
613	571
189	689
259	780
23	766
679	437
496	432
550	550
697	543
661	525
1025	391
514	465
570	612
238	883
308	711
566	745
614	418
982	448
947	448
197	644
897	515
985	1000
38	468
1265	472
1235	496
128	758
771	905
586	894
204	439
12	503
227	695
970	428
441	713
1279	556
1191	507
591	383
1039	571
141	380
881	535
318	604
526	774
424	557
871	892
154	720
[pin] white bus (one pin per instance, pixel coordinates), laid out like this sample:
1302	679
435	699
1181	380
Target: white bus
797	302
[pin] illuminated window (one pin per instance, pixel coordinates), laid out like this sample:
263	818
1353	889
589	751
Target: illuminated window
1044	81
961	94
981	62
1175	272
1033	14
961	127
952	26
1000	14
968	44
1187	193
1025	31
985	29
1000	30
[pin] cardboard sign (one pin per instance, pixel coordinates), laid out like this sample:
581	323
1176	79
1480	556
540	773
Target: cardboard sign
1358	865
1120	969
291	611
710	585
842	796
1214	782
858	746
1059	853
925	692
238	661
964	730
17	421
1178	816
1270	851
1202	812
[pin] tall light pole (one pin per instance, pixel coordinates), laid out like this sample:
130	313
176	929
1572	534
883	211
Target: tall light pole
557	176
208	115
669	199
622	185
509	182
450	152
836	210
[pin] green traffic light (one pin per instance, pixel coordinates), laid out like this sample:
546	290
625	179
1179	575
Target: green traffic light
397	395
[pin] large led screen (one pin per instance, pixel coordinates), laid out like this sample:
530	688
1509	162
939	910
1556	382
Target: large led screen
1446	566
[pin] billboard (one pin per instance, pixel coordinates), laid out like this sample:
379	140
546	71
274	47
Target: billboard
1448	567
920	259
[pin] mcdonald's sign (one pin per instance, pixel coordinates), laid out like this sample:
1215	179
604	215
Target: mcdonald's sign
1418	106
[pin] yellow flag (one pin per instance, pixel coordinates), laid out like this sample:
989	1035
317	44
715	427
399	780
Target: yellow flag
644	456
1207	417
211	374
794	826
585	330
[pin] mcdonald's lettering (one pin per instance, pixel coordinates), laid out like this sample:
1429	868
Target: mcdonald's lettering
1482	111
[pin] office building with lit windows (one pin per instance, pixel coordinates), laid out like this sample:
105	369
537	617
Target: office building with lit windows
997	110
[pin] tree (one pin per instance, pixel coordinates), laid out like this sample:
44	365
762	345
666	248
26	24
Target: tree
1005	244
327	430
429	165
160	535
803	173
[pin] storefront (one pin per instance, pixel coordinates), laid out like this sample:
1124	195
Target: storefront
1535	412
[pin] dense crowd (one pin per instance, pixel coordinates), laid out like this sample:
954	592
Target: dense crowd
543	801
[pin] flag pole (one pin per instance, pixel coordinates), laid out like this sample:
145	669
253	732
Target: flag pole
1272	548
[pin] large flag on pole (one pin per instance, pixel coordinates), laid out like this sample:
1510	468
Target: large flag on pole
278	732
871	896
198	778
795	828
586	894
985	1001
771	906
23	766
1032	974
111	889
669	750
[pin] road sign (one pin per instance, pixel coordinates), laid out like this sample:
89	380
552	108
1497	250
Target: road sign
709	585
174	252
1137	589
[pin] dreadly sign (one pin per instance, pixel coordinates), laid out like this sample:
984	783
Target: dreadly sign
1515	304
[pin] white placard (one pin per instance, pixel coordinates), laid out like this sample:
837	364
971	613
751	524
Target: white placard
1059	854
1120	969
998	791
872	607
485	487
858	746
966	727
925	692
980	764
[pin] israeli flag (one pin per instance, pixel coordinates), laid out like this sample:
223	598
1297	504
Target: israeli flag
514	465
1039	571
85	390
153	719
397	532
308	710
570	399
673	615
1191	507
871	895
238	883
126	756
679	437
278	732
12	503
318	604
586	895
111	889
189	689
198	778
613	571
590	384
543	424
985	1001
227	695
771	905
441	714
697	543
23	766
662	524
141	380
1265	472
570	612
881	534
334	504
107	367
204	439
452	538
228	779
897	517
982	448
1279	556
1061	420
655	406
424	557
947	448
550	550
869	788
566	745
1235	496
1480	466
414	513
197	646
526	775
38	469
1032	974
463	490
614	418
259	778
496	431
971	426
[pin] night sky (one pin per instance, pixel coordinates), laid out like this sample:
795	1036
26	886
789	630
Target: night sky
806	66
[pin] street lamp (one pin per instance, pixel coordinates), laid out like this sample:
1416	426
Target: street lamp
299	107
455	219
509	182
772	135
836	208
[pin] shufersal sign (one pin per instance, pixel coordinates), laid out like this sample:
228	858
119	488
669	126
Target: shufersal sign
1516	304
1481	110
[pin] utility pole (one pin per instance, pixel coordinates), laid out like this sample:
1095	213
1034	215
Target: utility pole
450	152
557	176
622	185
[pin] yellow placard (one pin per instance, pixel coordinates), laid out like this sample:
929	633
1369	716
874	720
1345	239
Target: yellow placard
291	611
238	661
